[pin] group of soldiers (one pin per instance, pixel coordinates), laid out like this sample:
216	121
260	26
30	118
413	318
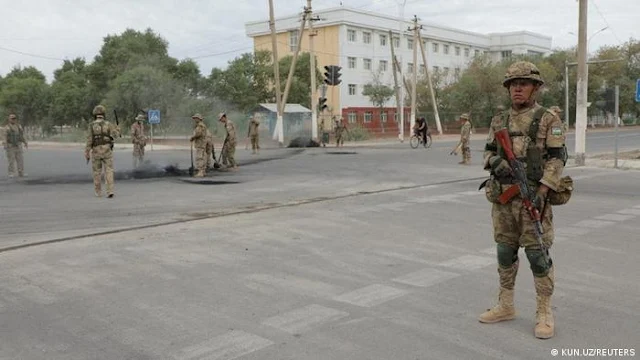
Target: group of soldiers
339	130
102	133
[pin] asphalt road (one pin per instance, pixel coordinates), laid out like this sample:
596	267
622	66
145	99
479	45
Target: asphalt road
351	253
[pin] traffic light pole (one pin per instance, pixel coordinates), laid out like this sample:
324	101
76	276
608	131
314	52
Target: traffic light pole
312	60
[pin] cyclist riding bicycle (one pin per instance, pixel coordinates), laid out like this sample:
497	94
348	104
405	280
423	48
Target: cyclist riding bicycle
420	130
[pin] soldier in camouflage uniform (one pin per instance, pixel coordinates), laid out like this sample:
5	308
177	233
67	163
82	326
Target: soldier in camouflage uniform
199	139
252	134
139	140
99	148
210	150
12	141
340	130
229	148
465	138
538	140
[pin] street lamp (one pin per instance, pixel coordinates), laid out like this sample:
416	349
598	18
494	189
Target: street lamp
566	73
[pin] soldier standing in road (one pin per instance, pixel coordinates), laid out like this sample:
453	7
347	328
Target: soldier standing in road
199	139
139	140
99	148
465	139
340	130
229	148
538	139
13	140
252	134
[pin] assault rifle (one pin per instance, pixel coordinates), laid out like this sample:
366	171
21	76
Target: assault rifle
527	193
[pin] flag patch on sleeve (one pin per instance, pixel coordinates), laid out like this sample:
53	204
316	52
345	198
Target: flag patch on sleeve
556	131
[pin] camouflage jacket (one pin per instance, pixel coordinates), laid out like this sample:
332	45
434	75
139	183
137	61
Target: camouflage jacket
231	131
549	142
465	132
101	135
137	134
14	135
199	136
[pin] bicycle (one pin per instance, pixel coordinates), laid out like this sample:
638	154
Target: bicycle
416	140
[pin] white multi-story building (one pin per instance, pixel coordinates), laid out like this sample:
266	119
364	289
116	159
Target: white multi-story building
360	42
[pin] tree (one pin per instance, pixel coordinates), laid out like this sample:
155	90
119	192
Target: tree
25	92
70	97
378	93
300	92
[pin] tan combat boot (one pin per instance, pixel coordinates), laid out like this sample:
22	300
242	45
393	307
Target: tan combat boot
503	311
545	325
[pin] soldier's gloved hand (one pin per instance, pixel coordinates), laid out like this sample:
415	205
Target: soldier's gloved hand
499	166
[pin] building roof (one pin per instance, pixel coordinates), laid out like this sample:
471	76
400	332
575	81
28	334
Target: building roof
289	108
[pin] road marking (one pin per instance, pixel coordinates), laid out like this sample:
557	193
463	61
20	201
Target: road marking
593	223
229	346
468	262
426	277
629	211
614	217
304	319
371	295
569	231
297	285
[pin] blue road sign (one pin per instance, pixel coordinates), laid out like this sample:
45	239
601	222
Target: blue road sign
638	90
154	116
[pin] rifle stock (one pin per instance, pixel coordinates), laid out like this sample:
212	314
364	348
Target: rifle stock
518	172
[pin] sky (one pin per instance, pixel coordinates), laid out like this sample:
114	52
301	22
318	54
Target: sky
42	33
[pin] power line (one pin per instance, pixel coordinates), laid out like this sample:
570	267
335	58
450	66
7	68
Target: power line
29	54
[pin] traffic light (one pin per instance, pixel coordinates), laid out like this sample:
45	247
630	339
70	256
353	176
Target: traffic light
606	100
332	75
322	104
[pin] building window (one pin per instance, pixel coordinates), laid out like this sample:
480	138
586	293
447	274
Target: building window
293	40
410	44
396	42
352	89
410	68
367	116
457	50
446	71
383	40
383	65
383	116
477	53
457	72
435	47
366	63
352	62
396	117
506	54
366	37
422	68
352	117
445	49
466	52
351	35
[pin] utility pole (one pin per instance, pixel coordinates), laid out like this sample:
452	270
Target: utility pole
566	93
292	67
415	30
397	61
616	116
279	129
433	95
312	60
397	88
581	101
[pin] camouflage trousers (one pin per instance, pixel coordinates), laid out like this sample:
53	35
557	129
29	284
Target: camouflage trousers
255	143
466	152
228	154
339	140
102	160
513	229
15	159
138	155
201	160
210	155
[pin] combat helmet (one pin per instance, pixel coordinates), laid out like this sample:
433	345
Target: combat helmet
99	110
556	109
464	116
522	70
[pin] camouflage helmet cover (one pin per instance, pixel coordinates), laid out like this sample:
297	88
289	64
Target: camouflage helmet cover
197	116
464	116
99	110
140	117
522	70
